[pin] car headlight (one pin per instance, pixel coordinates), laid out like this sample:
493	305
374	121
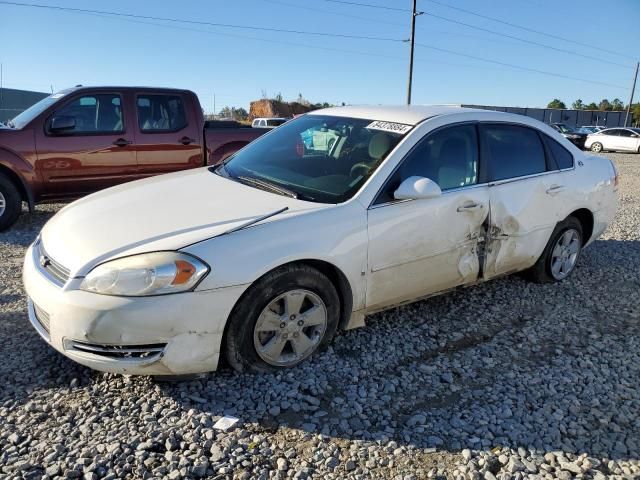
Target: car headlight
157	273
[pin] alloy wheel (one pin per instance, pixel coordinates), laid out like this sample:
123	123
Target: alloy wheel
3	204
565	254
290	328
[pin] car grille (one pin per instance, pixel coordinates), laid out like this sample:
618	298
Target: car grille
42	317
120	351
52	268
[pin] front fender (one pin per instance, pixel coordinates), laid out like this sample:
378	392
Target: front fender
336	235
20	171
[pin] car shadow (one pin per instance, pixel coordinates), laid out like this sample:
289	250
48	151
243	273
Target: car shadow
489	366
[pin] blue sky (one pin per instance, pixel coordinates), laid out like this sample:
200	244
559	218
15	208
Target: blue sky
44	48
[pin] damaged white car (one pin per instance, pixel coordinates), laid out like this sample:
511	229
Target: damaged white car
261	259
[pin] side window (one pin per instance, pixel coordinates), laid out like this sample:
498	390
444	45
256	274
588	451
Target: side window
512	151
625	133
97	114
263	123
448	156
160	113
614	132
561	155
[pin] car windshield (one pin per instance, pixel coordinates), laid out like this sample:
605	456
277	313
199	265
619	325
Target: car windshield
317	158
565	129
19	121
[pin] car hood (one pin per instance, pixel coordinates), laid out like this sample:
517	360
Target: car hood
167	212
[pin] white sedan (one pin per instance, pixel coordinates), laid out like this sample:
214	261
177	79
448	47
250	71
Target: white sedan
614	139
262	258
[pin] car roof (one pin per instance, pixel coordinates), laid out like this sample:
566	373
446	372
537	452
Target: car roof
81	88
406	114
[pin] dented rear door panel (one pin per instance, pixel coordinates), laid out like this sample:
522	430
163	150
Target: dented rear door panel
523	213
420	247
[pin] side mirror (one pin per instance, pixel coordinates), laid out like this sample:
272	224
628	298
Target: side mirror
62	123
416	188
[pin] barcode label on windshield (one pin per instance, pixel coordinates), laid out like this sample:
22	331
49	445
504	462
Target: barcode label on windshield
391	127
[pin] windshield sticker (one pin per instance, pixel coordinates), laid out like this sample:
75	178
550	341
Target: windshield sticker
389	127
57	95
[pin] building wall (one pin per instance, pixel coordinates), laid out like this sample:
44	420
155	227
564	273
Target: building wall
13	102
574	118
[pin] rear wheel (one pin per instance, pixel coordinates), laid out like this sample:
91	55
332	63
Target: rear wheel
282	319
596	147
560	256
10	203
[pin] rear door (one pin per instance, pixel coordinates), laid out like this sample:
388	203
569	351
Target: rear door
168	136
526	192
626	140
95	153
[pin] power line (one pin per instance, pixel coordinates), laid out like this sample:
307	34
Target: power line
199	22
520	67
330	12
369	5
531	42
527	29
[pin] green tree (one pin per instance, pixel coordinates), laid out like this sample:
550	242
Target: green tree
577	105
556	103
278	97
604	105
591	106
617	105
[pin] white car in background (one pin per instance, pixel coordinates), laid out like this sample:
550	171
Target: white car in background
614	139
272	122
262	258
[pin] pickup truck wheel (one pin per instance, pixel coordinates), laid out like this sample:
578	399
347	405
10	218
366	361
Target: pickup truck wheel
281	320
10	203
560	256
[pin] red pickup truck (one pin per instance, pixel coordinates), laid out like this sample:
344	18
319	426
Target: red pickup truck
84	139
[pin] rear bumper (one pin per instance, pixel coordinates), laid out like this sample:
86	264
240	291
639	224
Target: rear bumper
162	335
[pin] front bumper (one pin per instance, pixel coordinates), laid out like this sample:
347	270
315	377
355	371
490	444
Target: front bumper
162	335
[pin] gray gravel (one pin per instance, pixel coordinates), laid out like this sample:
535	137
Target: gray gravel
504	380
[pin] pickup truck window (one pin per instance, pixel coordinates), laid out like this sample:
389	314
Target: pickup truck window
93	114
161	113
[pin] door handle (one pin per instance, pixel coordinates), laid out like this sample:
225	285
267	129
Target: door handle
471	207
122	142
186	140
554	189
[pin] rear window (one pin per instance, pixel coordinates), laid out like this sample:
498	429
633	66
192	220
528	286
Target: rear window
161	113
561	155
513	151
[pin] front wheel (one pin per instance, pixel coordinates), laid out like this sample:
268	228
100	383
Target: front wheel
596	147
561	254
282	319
10	203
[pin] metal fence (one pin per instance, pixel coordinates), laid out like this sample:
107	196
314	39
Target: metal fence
575	118
12	101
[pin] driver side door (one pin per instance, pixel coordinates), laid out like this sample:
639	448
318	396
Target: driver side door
421	247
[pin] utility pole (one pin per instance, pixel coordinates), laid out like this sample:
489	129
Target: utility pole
412	39
635	77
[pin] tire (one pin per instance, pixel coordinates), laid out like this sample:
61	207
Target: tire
543	271
261	319
596	147
10	203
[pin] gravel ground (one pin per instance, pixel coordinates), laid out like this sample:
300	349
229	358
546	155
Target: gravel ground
504	380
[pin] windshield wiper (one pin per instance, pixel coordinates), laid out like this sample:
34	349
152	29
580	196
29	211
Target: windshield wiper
264	185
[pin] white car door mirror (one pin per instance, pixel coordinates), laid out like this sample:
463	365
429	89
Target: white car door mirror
416	188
